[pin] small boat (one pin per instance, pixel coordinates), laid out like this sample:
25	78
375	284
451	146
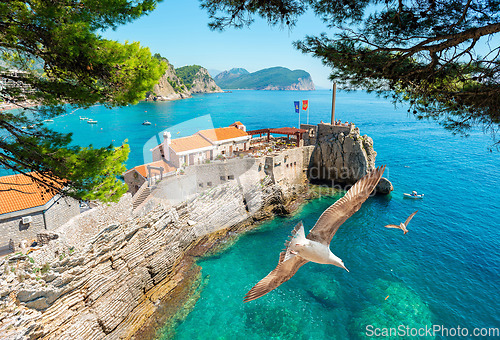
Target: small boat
413	195
91	121
83	118
146	123
48	120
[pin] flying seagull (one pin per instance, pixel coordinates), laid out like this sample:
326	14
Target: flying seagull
402	226
316	246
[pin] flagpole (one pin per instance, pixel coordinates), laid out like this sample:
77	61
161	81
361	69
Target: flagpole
308	111
299	117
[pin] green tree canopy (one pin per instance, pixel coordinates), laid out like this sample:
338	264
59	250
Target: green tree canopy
52	55
440	56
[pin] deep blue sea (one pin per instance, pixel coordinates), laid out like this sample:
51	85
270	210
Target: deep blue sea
444	272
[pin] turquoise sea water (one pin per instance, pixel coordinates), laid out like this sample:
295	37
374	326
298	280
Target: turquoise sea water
445	271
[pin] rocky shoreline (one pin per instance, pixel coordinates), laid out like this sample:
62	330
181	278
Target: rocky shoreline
114	286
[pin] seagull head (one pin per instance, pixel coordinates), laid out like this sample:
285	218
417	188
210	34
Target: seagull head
343	266
336	261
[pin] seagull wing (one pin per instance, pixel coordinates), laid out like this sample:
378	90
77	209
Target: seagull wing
409	218
282	273
333	217
392	226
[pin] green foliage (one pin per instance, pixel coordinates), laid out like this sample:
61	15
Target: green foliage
62	59
437	56
187	74
274	76
45	268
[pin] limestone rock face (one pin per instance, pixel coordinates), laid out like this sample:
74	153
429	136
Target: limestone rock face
303	84
169	87
203	83
341	155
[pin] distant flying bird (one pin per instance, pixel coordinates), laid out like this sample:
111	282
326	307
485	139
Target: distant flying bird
316	246
402	226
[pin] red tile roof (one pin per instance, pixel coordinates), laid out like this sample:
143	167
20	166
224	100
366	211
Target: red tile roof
189	143
19	192
223	133
143	170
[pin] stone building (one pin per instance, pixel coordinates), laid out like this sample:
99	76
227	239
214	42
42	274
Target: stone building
202	146
28	208
136	176
227	140
181	152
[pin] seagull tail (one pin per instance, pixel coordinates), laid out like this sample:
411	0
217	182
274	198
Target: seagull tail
297	233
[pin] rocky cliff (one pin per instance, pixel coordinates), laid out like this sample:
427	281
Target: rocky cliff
169	87
180	83
342	156
197	79
203	83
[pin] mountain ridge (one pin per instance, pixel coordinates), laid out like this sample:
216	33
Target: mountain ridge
273	78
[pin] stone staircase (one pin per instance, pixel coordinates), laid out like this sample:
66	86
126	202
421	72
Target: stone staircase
141	196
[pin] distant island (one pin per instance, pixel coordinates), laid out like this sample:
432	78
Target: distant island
274	78
179	83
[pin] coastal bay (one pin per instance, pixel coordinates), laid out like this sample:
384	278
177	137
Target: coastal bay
442	253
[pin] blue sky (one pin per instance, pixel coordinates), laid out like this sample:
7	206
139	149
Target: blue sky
178	30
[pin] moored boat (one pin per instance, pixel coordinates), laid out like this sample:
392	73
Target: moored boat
91	121
146	123
413	195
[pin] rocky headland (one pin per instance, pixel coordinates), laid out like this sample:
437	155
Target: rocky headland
107	273
182	83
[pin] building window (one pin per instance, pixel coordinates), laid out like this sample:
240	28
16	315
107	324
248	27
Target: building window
222	178
209	184
200	185
230	177
294	163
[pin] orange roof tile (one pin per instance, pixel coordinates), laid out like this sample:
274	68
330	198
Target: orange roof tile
223	133
19	192
189	143
236	123
142	169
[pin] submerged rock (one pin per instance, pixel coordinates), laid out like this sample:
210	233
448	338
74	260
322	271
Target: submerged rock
384	187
